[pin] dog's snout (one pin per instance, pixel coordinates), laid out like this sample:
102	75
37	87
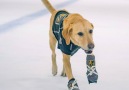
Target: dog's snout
91	46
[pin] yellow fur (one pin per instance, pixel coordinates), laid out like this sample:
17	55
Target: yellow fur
73	24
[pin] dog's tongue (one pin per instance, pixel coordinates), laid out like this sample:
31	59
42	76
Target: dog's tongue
88	51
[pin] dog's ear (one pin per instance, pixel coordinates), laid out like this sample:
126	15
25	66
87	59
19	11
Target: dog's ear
67	30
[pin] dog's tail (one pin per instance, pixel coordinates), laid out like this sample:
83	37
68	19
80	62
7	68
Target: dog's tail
49	6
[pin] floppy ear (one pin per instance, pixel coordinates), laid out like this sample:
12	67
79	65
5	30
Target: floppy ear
67	29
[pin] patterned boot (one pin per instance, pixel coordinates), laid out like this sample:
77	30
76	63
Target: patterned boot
72	85
92	74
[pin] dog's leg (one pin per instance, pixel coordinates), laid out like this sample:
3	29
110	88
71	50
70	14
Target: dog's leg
63	74
52	46
72	84
67	66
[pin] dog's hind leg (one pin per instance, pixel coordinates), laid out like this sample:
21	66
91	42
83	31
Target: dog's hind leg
52	42
63	74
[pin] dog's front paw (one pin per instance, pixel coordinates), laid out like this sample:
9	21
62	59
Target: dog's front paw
72	85
54	70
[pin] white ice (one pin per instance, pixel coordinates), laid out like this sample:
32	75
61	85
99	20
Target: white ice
25	57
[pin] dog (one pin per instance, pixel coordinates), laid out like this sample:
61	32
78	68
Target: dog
72	32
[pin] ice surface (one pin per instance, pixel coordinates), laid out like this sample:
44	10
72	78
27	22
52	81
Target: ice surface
25	57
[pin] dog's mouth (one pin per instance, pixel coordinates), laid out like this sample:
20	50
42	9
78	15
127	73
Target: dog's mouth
88	51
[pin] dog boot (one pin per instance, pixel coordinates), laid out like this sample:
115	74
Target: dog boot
92	74
72	85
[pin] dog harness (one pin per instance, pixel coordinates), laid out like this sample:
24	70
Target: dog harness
57	31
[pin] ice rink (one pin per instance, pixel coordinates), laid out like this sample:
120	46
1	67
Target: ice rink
25	57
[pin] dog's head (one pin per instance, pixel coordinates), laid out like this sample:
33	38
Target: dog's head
79	31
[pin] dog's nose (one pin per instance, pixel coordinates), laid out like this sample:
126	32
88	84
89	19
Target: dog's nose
91	46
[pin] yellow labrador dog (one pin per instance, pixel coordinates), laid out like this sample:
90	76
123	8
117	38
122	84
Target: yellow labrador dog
72	32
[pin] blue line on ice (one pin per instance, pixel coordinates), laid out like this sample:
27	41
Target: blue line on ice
23	20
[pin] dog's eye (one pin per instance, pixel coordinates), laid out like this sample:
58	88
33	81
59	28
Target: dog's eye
91	31
80	34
